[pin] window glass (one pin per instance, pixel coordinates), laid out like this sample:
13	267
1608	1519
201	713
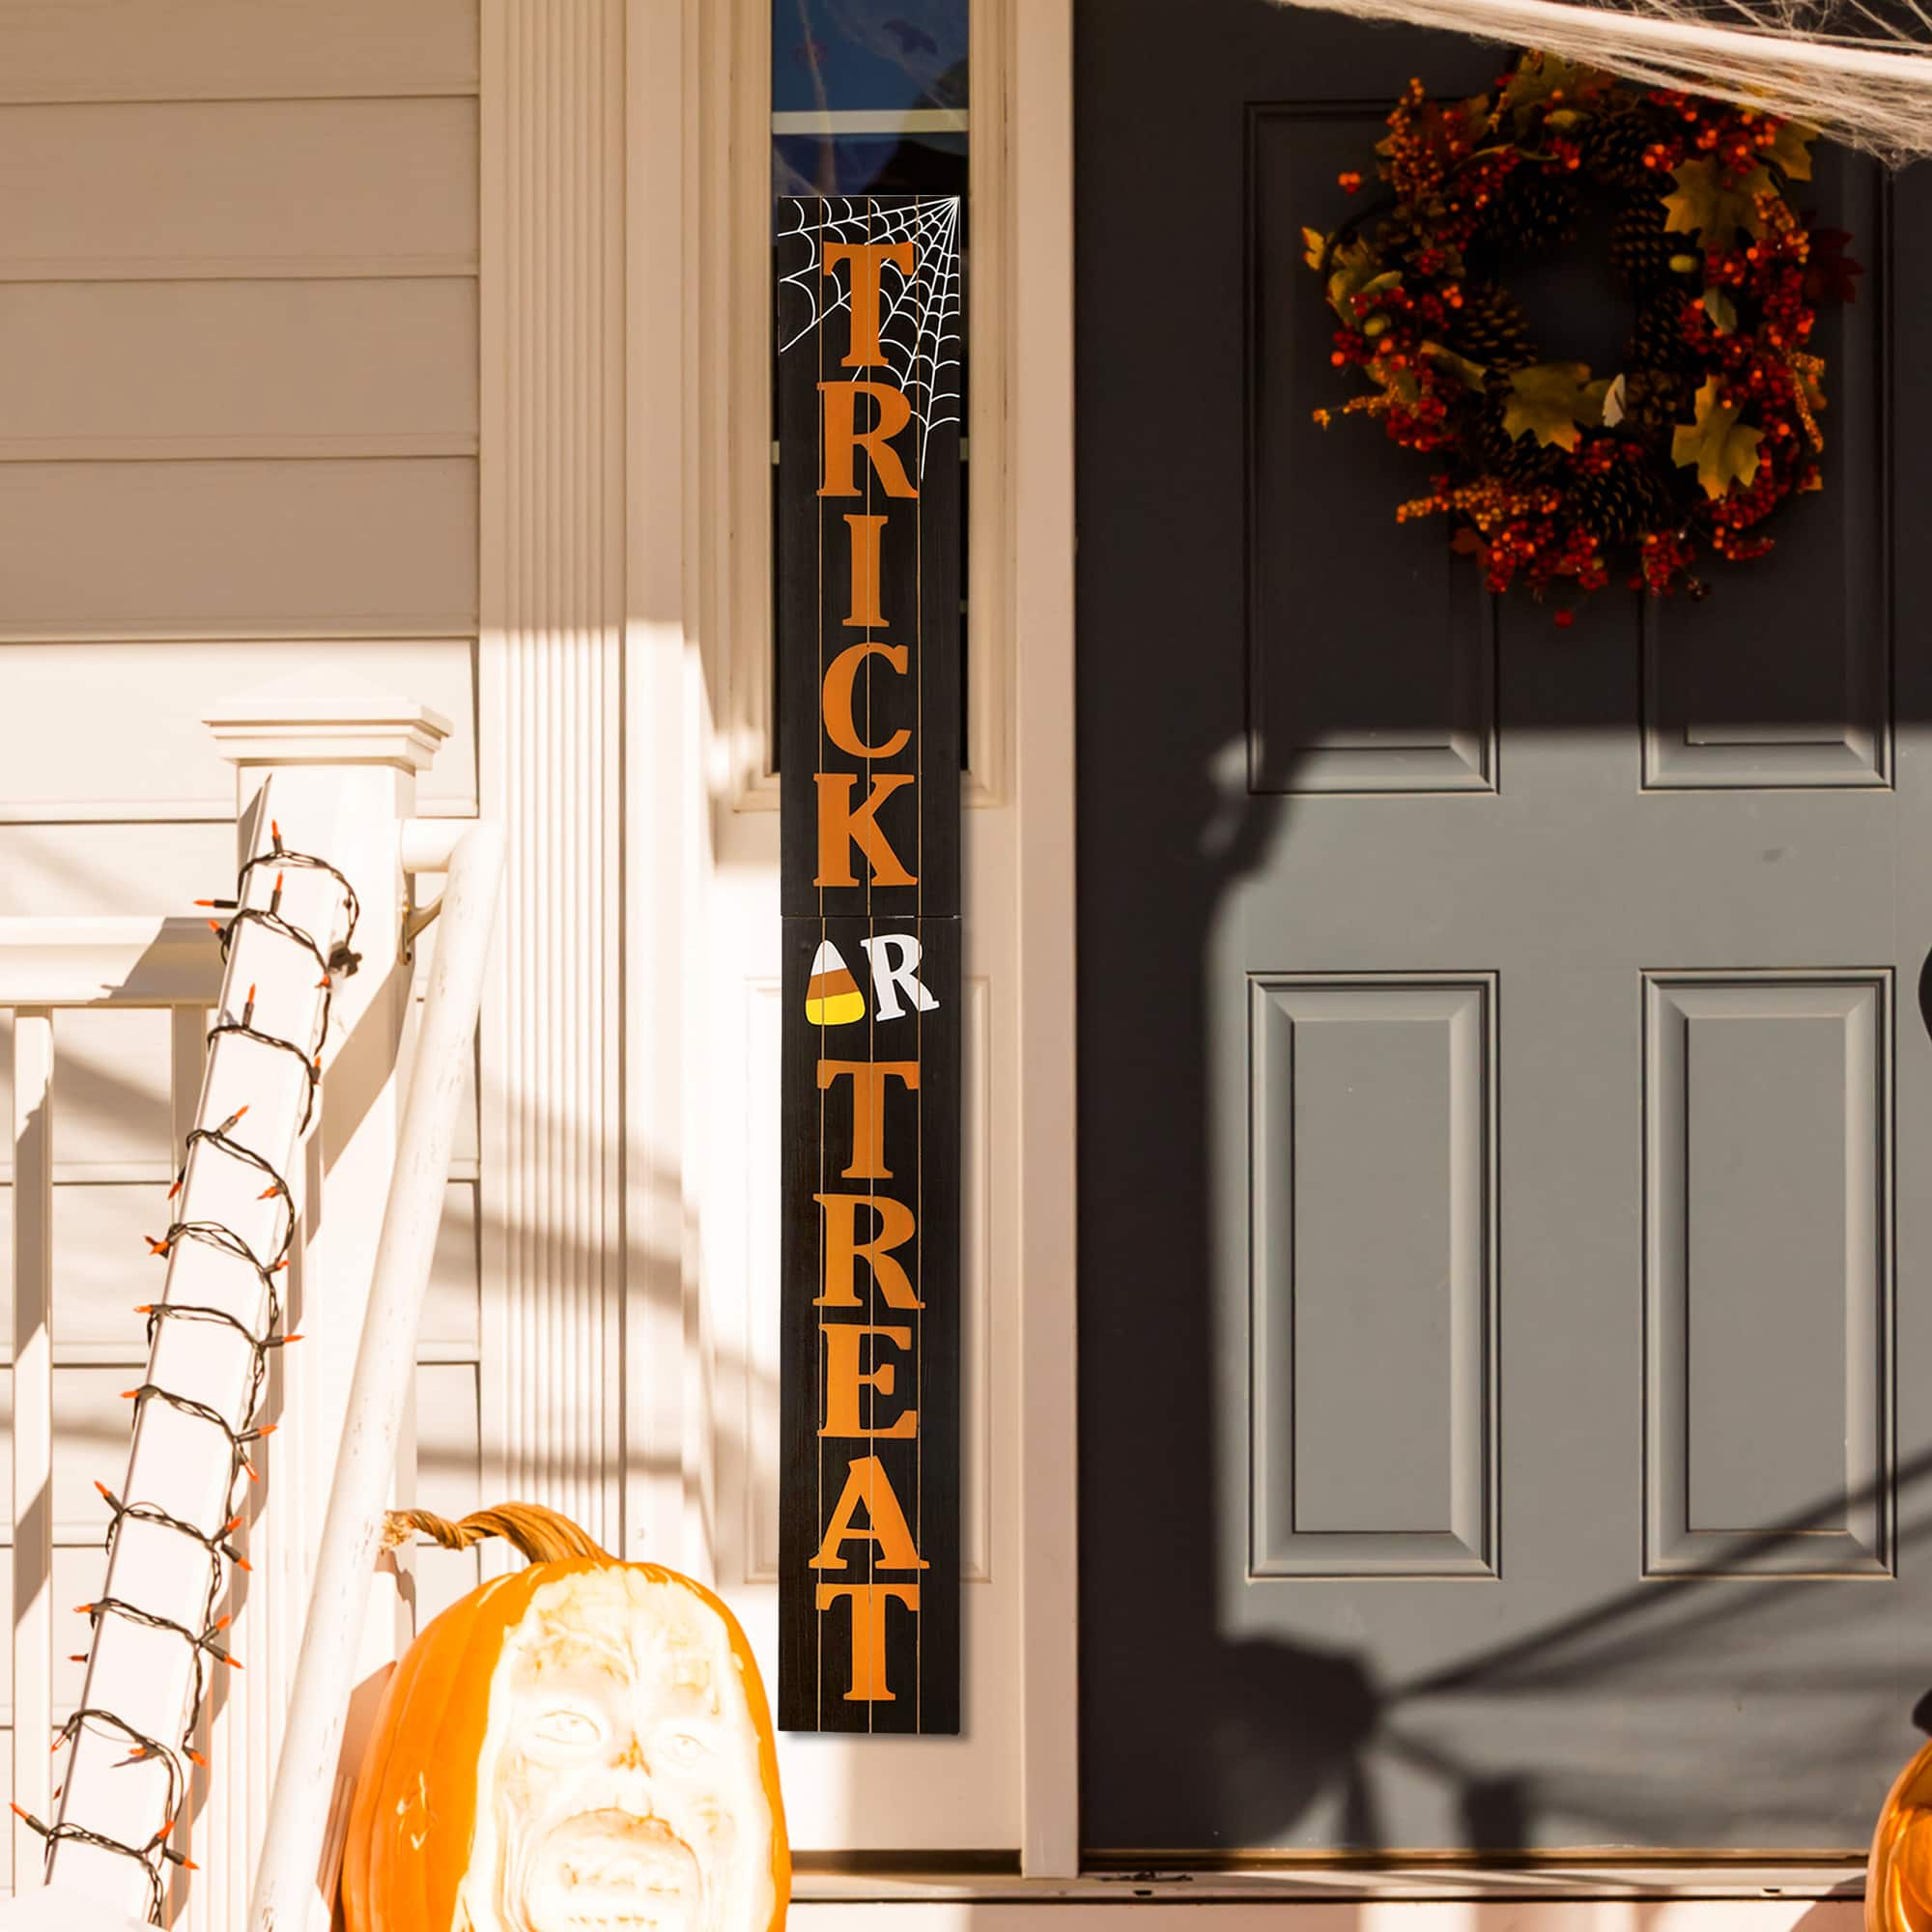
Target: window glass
869	94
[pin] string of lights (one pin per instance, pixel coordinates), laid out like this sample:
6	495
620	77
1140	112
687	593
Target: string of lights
205	1637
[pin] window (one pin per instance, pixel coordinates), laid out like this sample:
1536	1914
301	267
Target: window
869	97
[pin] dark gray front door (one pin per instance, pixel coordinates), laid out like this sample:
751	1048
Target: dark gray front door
1506	1370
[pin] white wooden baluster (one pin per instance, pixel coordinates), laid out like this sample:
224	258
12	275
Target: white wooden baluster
33	1426
187	1062
287	1894
187	1065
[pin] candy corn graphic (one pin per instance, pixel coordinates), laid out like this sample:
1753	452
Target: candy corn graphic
832	997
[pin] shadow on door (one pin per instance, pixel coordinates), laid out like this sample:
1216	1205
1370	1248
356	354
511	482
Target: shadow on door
1626	1240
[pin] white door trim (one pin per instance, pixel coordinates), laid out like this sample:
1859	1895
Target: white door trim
696	643
1040	537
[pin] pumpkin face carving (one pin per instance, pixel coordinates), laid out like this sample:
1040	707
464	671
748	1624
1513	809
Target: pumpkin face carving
583	1747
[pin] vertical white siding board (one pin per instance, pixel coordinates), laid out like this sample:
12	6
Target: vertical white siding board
1042	533
550	688
667	1505
33	1423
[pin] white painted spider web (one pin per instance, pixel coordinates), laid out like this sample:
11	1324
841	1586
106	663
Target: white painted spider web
920	316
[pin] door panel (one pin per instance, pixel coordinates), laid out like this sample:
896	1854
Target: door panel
1504	1354
1722	710
1387	1082
1417	711
1768	1186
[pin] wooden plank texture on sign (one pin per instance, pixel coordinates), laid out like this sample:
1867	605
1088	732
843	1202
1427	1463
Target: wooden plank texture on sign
869	575
869	1356
869	701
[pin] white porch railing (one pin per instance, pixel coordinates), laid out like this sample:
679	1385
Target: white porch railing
339	776
47	966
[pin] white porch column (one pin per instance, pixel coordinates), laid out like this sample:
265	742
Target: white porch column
550	694
346	770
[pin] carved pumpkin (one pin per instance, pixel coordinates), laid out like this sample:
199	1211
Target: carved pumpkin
1898	1875
584	1744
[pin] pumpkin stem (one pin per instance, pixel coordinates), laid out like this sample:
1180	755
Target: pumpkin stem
537	1534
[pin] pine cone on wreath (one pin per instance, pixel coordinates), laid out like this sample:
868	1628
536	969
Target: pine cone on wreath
1657	338
1492	330
1519	460
1614	147
1656	400
1536	211
1640	250
1400	239
1623	501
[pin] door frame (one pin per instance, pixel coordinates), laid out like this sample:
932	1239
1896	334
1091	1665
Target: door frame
697	626
1042	533
1042	538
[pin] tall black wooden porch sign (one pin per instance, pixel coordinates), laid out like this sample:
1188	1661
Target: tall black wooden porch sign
869	388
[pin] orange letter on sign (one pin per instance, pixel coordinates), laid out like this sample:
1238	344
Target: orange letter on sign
839	828
869	1633
844	439
836	704
868	1109
866	258
842	1247
845	1377
868	1483
865	598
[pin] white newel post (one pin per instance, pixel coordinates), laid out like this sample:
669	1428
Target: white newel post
338	775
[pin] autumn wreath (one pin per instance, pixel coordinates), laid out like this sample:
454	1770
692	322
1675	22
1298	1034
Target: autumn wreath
1551	474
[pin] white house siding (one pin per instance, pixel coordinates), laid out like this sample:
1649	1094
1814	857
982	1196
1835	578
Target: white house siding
238	444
